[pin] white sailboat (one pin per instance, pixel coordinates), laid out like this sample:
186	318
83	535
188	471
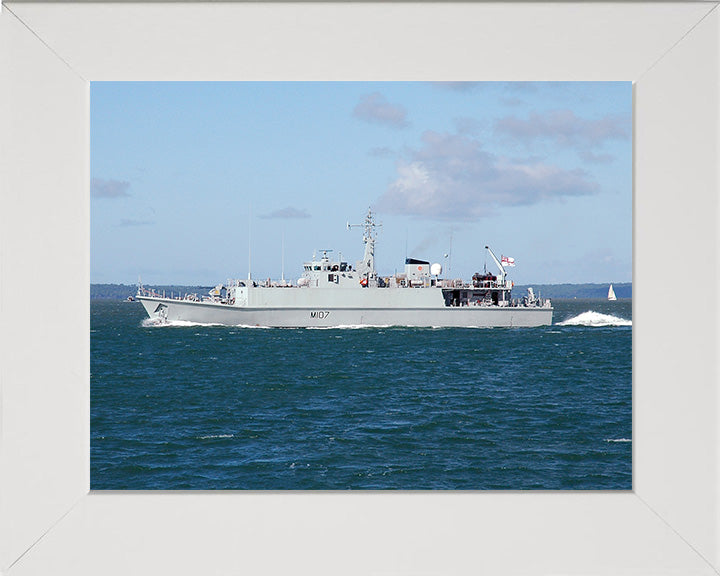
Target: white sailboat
611	293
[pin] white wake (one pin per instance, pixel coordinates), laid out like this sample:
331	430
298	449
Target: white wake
159	322
348	327
591	318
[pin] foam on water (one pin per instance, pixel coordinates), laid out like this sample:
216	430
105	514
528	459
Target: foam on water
159	322
595	319
618	439
348	327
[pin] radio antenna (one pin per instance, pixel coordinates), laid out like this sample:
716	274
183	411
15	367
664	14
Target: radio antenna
282	265
249	240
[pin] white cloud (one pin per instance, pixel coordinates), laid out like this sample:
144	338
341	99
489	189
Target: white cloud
460	86
450	177
380	152
565	129
286	213
101	188
466	125
376	109
132	222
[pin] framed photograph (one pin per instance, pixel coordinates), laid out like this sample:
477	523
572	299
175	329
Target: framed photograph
51	521
400	352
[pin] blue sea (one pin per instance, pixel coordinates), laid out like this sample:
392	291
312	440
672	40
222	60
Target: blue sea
224	408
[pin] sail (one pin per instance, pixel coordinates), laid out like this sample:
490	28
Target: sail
611	293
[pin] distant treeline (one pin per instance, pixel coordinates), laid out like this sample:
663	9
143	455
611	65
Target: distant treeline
624	290
122	291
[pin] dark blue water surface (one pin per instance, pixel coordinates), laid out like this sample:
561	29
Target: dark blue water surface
212	407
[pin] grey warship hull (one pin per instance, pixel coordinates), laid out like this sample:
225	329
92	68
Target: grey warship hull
333	293
171	310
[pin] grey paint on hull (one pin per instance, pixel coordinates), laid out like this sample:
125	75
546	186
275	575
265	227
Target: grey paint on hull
304	317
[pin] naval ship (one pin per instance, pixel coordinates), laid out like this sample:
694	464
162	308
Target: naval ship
332	293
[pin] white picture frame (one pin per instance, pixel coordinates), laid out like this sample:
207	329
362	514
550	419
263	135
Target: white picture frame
51	523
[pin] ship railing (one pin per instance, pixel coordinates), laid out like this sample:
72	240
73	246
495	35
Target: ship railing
267	283
150	293
524	302
452	283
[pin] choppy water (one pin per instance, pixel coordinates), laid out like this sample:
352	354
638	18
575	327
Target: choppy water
213	407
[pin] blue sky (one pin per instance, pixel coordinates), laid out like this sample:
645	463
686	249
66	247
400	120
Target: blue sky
185	174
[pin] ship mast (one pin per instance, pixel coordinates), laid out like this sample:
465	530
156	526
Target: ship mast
367	266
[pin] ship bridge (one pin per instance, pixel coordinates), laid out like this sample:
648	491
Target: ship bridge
327	272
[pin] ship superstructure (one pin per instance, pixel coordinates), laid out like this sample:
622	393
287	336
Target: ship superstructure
333	292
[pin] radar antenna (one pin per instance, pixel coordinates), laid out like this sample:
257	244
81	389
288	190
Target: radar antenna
369	226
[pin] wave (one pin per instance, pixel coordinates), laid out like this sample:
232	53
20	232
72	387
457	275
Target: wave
213	436
348	327
159	322
591	318
618	440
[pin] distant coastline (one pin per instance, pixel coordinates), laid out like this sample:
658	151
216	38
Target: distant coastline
580	291
623	290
